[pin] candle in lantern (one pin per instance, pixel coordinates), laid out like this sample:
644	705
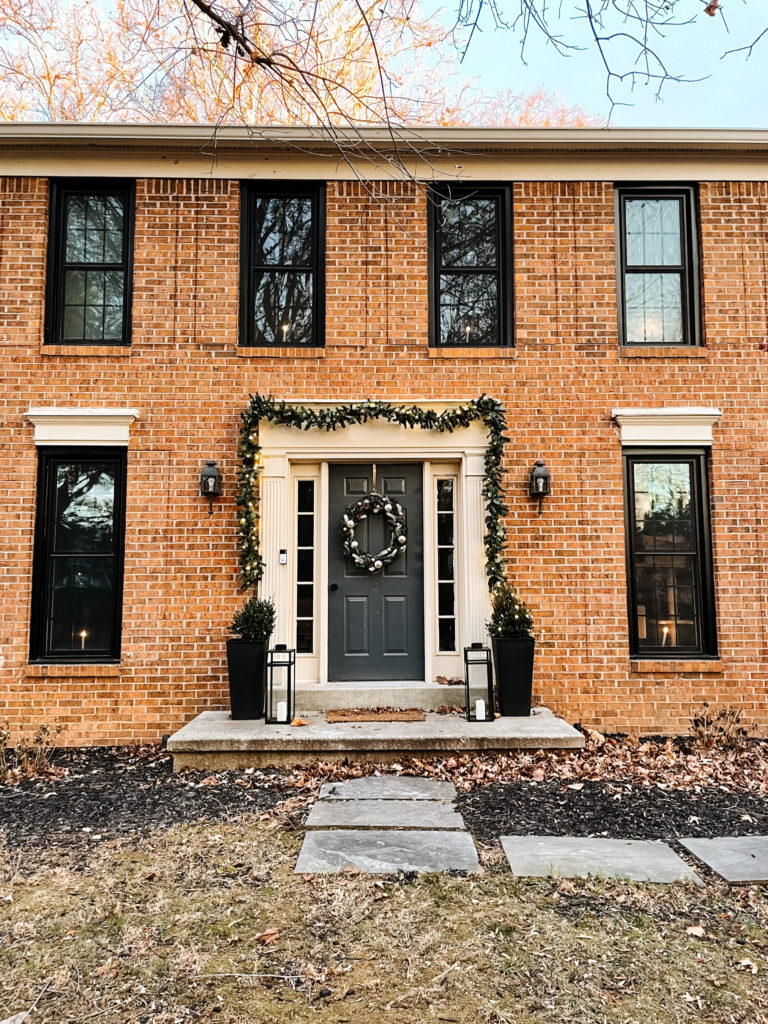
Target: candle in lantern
480	710
282	711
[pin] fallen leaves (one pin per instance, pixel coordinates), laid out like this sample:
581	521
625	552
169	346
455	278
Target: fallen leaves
268	937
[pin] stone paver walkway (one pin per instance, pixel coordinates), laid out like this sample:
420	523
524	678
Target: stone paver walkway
386	824
737	859
638	860
389	823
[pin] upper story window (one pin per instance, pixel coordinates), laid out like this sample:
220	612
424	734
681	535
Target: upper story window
78	567
89	263
658	275
471	266
669	554
282	252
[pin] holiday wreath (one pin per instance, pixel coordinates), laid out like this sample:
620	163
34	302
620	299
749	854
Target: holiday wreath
264	407
374	504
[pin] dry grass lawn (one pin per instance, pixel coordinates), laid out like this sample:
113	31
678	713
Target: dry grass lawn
207	922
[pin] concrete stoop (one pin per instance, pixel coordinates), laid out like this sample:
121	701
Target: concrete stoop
213	741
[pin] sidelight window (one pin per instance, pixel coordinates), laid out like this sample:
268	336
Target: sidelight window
282	265
305	567
78	569
669	554
471	266
446	563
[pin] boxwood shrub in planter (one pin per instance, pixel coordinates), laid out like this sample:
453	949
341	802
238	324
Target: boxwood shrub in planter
247	657
511	631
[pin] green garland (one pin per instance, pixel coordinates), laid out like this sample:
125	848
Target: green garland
489	410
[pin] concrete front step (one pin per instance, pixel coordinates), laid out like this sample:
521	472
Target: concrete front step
405	694
213	741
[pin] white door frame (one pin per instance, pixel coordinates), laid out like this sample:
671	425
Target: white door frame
289	454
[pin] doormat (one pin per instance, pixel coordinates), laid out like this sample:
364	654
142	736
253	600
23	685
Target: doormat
375	715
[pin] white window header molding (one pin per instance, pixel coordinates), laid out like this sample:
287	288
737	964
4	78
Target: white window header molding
672	426
81	426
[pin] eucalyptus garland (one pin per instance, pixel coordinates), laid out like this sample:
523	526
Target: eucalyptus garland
374	504
488	410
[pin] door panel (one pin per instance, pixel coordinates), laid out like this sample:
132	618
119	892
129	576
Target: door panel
376	620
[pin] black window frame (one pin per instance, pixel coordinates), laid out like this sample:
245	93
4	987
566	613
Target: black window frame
698	458
689	270
436	194
249	191
60	189
48	458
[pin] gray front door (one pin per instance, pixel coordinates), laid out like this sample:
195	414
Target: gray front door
376	621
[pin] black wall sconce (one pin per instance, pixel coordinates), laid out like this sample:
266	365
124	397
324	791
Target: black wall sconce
210	483
540	483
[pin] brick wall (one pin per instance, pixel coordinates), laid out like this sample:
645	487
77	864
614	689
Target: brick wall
189	381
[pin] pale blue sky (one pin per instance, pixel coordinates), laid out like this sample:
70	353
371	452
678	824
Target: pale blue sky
735	95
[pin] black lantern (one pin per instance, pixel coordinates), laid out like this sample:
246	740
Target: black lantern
210	483
478	671
540	483
281	694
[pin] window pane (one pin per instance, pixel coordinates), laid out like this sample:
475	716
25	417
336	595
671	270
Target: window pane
306	496
81	604
305	531
445	495
666	603
282	307
654	311
445	599
653	232
283	232
445	528
469	309
94	229
84	508
469	235
304	607
663	513
304	566
445	564
446	631
304	636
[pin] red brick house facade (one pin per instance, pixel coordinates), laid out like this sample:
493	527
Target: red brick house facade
608	383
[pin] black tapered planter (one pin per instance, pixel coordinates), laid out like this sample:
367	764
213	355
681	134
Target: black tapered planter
513	664
247	664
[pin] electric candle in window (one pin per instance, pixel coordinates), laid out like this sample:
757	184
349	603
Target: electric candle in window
285	328
83	634
468	329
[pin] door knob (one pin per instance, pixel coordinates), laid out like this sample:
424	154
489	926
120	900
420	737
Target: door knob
334	586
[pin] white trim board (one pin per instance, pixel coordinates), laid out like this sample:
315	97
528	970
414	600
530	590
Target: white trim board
56	425
670	426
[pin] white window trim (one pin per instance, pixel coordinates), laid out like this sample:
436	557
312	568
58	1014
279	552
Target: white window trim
81	427
672	426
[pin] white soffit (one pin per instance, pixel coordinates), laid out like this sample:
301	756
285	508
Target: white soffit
81	426
683	425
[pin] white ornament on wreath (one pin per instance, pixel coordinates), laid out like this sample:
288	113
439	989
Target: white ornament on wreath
374	504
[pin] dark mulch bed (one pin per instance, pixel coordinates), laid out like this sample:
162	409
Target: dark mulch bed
110	792
615	810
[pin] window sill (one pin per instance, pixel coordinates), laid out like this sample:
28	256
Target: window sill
458	352
115	351
675	667
59	669
662	352
277	351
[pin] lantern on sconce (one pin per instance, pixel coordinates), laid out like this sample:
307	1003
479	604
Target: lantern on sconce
540	485
210	483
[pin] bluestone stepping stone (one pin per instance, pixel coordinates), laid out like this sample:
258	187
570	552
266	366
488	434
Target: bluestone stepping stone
378	852
385	814
389	787
638	860
736	858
